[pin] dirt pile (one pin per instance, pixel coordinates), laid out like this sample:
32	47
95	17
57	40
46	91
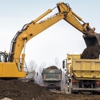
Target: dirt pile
52	67
91	52
17	90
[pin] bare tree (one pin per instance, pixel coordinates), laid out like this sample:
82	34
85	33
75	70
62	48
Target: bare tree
39	78
32	65
31	72
43	65
57	63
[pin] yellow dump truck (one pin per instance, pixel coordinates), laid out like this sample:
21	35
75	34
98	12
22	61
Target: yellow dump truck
82	75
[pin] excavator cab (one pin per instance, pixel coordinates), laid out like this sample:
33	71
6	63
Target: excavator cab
3	57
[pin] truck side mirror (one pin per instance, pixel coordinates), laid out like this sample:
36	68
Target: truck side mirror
63	64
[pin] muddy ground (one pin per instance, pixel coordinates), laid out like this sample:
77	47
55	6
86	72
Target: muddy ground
18	90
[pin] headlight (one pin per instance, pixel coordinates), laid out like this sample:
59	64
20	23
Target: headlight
44	76
59	76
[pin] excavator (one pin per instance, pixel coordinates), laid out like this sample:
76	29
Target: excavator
12	63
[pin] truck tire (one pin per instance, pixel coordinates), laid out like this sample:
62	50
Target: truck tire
58	88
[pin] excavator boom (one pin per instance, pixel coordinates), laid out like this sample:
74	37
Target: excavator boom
36	26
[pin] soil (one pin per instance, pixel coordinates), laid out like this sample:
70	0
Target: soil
91	52
17	90
52	67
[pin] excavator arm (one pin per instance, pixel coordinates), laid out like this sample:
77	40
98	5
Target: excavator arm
36	26
72	18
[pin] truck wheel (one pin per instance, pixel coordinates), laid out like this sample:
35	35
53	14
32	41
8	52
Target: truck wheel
59	88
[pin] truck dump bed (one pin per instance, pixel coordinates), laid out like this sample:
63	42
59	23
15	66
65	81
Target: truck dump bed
52	75
86	68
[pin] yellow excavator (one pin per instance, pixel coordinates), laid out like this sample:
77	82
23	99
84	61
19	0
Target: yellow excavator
12	63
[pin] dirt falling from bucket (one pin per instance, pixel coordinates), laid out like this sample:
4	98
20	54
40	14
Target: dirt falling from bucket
91	52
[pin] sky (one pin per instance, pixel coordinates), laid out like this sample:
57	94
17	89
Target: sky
53	43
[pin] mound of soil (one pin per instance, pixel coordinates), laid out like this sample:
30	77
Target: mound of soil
91	52
17	90
52	67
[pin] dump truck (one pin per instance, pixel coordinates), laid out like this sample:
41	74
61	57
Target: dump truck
52	77
82	75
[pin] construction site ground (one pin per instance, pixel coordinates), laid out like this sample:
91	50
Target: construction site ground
17	90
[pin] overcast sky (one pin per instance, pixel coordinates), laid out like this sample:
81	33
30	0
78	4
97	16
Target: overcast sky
54	42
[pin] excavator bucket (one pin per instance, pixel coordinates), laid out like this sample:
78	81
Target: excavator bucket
92	40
